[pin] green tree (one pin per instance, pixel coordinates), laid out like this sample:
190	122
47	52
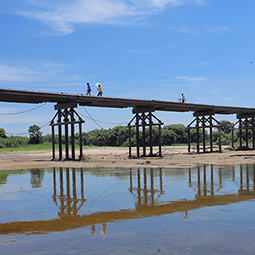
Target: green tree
226	126
2	133
169	137
35	135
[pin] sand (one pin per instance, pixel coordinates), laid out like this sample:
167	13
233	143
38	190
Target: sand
108	157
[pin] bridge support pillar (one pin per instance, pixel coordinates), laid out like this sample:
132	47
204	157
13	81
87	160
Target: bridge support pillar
144	118
245	122
204	120
66	116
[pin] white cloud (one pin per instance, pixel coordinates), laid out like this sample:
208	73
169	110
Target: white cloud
192	78
64	15
17	74
36	73
163	3
141	51
31	119
201	31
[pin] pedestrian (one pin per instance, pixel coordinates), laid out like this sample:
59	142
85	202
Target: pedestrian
183	98
100	90
88	90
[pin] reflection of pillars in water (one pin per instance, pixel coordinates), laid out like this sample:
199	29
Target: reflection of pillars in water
82	184
245	184
130	179
62	201
241	177
247	178
212	181
233	174
145	194
205	183
202	184
54	185
69	201
190	177
74	192
220	178
145	191
253	177
139	186
161	181
152	188
198	181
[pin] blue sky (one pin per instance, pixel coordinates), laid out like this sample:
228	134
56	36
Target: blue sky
145	49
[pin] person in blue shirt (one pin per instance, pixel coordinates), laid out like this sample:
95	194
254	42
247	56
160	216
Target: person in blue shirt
88	90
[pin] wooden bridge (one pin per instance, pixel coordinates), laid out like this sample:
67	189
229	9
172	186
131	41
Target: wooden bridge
143	117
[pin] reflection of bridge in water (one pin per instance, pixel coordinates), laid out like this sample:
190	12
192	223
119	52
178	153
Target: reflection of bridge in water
69	204
147	187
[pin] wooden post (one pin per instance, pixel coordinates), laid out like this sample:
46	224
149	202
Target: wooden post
233	146
144	118
72	134
211	134
66	134
137	136
253	134
144	135
247	132
150	129
129	139
60	135
80	132
197	126
69	118
240	132
53	142
203	123
159	137
220	150
188	140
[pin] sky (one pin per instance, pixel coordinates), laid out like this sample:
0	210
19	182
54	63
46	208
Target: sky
143	49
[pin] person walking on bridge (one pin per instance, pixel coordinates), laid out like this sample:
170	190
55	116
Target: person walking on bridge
88	90
183	98
100	90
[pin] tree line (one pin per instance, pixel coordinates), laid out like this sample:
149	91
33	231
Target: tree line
119	136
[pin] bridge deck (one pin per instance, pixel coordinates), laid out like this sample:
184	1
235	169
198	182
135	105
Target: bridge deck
23	96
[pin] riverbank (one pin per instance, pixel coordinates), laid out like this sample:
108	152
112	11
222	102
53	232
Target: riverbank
173	157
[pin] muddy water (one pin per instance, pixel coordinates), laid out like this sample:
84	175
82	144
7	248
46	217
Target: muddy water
203	210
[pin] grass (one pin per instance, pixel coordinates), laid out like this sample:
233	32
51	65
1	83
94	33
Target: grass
30	147
38	147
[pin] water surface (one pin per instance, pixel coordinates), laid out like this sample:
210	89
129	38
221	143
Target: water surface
203	210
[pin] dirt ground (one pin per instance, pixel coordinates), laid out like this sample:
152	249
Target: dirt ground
172	157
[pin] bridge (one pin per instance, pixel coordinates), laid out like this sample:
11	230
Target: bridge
143	117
